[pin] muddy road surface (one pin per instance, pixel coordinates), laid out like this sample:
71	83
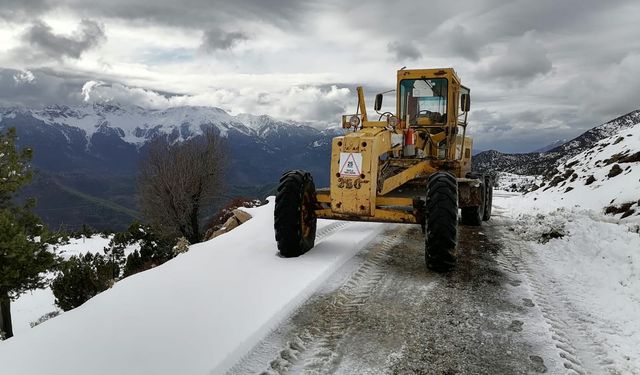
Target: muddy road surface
385	313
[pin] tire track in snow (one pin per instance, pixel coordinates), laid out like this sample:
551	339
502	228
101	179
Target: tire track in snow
580	351
314	349
330	229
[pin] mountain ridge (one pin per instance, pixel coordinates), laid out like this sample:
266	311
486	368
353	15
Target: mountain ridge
539	163
103	143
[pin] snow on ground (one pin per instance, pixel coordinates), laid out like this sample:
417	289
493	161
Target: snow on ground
582	231
80	246
32	305
589	179
196	314
516	182
593	262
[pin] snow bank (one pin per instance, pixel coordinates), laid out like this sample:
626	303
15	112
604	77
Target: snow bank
197	314
594	261
32	305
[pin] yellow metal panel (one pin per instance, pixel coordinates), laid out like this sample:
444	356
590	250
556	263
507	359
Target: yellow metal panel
323	196
394	201
363	107
420	169
383	216
375	124
355	195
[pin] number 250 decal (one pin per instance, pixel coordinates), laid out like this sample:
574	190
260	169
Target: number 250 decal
349	183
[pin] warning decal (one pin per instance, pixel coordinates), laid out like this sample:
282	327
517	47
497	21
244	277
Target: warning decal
350	164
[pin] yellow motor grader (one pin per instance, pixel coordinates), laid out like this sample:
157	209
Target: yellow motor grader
412	166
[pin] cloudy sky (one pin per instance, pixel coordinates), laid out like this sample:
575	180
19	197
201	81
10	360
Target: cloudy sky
538	70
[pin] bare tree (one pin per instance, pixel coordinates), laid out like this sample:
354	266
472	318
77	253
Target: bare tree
177	180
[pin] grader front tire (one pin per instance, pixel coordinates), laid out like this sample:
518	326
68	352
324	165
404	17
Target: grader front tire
441	222
294	214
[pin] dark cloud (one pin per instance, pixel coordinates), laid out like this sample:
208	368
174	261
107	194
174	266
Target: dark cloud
521	131
36	88
194	14
41	41
464	43
216	39
20	10
524	59
404	51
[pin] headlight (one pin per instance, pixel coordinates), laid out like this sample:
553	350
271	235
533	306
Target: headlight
354	121
392	121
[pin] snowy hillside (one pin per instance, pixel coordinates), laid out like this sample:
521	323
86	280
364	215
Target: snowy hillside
605	178
197	314
33	305
516	183
540	163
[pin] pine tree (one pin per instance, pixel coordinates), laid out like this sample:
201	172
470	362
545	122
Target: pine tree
80	278
24	254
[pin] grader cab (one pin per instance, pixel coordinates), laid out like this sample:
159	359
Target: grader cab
412	166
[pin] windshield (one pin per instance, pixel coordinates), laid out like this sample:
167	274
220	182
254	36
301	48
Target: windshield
424	101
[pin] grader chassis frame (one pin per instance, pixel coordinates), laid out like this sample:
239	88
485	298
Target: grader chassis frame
414	167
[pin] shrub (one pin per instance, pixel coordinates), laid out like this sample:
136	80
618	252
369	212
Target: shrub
154	249
80	278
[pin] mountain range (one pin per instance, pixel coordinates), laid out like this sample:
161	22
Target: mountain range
540	163
86	157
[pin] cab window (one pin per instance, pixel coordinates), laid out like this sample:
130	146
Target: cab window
424	101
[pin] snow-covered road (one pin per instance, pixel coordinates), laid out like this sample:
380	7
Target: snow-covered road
533	292
512	306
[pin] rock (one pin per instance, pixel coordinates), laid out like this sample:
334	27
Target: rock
237	218
590	180
614	171
182	246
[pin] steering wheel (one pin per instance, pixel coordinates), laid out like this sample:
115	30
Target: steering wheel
383	114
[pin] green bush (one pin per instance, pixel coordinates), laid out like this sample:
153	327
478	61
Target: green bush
154	249
80	278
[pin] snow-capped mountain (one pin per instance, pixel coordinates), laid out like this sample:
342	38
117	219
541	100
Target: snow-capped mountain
535	163
137	125
92	151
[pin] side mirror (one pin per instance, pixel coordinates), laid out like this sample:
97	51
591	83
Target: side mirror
465	102
378	103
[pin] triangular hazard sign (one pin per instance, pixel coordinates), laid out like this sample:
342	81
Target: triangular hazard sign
350	166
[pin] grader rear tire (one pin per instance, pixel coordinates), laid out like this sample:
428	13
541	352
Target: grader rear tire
441	222
294	214
473	215
488	201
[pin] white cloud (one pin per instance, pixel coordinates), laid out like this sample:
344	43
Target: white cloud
24	77
281	57
303	103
